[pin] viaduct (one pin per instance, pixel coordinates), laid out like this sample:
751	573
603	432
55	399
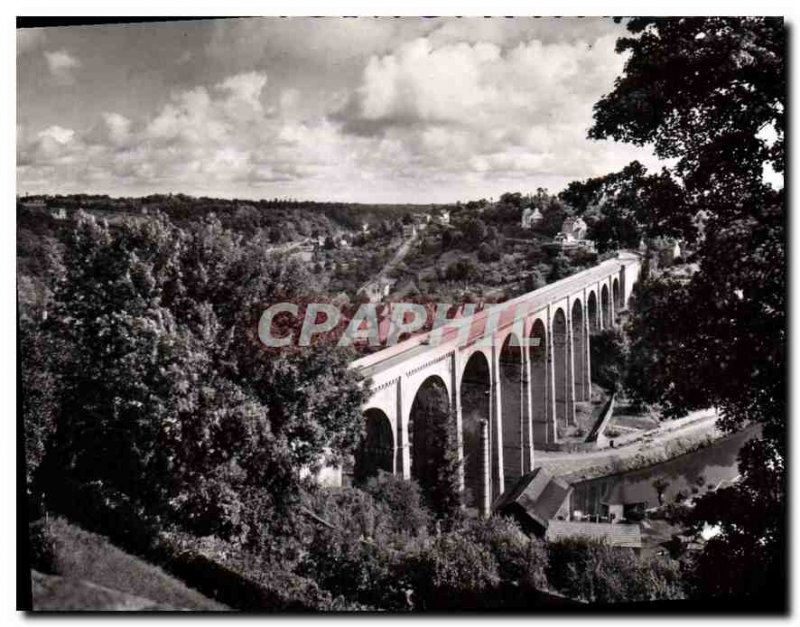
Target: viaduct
510	375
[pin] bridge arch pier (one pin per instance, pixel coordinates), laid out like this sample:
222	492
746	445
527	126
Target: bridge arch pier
526	392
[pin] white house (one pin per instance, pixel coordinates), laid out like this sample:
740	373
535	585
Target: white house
574	228
531	217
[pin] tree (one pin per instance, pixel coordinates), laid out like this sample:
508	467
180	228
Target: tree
592	570
561	268
623	207
475	231
709	94
169	399
487	253
553	215
463	269
451	572
534	281
609	357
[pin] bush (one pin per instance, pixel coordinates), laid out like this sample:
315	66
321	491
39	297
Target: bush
487	253
352	539
403	499
592	570
609	358
352	567
521	560
242	579
451	572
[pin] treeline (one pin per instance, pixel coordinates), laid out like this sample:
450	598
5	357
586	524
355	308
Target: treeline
236	211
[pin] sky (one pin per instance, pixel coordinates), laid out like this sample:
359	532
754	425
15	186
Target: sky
388	110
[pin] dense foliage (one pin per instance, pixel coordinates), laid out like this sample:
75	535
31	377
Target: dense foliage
164	393
708	93
596	572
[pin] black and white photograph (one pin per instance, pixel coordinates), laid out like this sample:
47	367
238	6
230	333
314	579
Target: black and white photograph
401	315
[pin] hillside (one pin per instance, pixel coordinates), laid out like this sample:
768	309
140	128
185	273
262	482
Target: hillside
76	569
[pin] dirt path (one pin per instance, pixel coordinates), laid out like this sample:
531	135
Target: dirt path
399	255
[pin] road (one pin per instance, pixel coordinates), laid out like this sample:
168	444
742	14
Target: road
374	284
694	425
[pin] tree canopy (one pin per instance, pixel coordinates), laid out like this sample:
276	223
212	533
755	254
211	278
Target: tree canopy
708	95
166	395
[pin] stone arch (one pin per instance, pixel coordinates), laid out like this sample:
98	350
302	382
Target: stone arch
427	424
561	368
511	423
537	356
605	307
376	451
591	311
475	392
579	352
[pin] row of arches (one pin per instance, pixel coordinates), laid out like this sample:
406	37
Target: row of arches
431	410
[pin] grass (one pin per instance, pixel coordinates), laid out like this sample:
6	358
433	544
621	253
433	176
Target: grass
92	570
647	457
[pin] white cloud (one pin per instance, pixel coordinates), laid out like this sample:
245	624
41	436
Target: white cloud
62	65
119	128
456	108
427	111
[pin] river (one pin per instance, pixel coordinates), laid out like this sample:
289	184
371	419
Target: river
715	463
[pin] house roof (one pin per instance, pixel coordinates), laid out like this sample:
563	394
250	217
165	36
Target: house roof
538	494
615	534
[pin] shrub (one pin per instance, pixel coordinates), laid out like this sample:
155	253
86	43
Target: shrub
350	510
596	572
352	567
521	560
449	572
242	579
487	253
403	499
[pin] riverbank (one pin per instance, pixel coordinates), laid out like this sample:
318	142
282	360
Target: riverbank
670	440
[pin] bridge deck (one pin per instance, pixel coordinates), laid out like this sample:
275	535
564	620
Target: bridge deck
522	306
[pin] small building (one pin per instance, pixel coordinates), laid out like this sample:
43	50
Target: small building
572	236
59	213
531	216
574	228
444	218
536	500
620	535
409	230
